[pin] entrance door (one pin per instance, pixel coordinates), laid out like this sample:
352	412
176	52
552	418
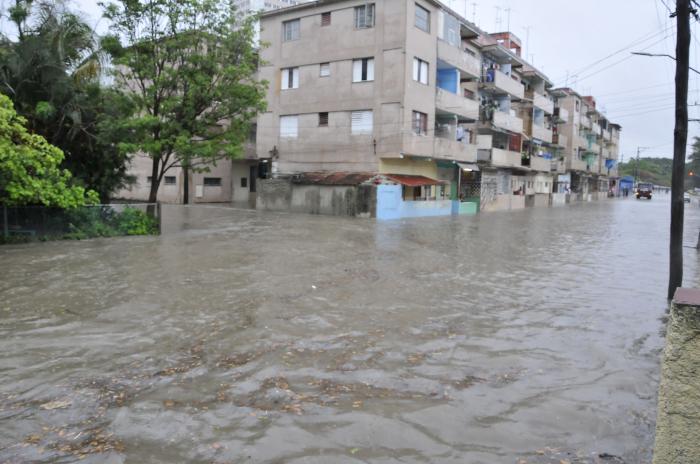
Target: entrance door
253	178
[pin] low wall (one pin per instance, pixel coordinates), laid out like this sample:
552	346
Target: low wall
678	418
542	200
333	200
504	202
390	205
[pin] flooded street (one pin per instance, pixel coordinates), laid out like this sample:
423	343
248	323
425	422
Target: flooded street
240	336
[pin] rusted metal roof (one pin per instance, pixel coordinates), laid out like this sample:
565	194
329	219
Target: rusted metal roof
412	181
332	178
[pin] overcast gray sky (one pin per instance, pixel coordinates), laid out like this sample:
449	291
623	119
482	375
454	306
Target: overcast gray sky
573	36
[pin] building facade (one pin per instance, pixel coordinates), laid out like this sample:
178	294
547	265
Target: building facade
409	90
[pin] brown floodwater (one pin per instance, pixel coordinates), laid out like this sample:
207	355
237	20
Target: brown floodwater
240	336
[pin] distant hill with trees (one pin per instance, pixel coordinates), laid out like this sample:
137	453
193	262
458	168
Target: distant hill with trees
655	170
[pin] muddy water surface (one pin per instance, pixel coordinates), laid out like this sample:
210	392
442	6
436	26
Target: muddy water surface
238	336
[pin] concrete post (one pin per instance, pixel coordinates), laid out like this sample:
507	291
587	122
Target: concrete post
678	418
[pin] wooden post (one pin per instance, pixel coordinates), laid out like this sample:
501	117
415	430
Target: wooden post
680	140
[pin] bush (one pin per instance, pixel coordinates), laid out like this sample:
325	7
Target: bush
132	221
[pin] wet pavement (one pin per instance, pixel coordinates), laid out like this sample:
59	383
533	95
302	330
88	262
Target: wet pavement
239	336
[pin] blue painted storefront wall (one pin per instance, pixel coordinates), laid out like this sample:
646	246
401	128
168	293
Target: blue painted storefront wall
390	205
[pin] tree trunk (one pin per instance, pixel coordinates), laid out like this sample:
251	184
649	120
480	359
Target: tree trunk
186	181
155	182
680	140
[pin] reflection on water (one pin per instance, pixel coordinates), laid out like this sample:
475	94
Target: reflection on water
240	336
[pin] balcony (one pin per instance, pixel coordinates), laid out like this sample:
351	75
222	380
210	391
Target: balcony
457	58
541	133
580	142
560	140
503	83
537	163
585	121
543	103
453	103
578	165
505	158
445	148
562	115
507	122
593	148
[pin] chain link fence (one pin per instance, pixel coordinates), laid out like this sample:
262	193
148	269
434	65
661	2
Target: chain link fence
29	223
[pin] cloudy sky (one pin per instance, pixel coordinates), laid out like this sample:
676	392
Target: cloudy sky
586	44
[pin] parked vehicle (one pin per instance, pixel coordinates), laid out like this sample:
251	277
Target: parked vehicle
644	191
686	197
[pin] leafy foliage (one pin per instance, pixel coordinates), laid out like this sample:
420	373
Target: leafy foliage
29	167
655	170
51	72
188	70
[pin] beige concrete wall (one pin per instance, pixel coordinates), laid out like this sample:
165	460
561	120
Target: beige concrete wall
141	168
678	419
334	147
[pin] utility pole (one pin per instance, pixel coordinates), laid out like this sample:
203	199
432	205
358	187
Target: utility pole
680	141
473	11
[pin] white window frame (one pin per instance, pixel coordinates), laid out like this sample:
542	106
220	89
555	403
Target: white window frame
419	8
421	71
326	72
419	123
361	122
289	126
363	67
291	30
364	16
290	78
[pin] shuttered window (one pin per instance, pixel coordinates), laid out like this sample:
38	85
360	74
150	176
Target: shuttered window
289	126
290	78
364	16
323	119
422	18
326	18
420	71
363	70
361	122
420	123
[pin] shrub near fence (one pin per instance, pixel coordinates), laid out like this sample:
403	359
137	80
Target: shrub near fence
28	223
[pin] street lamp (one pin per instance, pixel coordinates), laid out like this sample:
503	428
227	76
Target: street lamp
666	55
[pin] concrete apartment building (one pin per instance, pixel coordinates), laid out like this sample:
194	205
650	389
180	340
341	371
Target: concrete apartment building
442	117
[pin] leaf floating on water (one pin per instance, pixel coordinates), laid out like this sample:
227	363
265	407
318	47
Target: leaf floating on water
58	404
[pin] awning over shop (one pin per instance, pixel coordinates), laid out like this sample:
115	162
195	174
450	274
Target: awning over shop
412	181
468	167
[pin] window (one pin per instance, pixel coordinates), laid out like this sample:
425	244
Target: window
326	18
420	123
325	70
323	119
363	70
577	105
364	16
170	180
361	122
289	126
291	30
422	18
212	181
420	71
290	78
244	182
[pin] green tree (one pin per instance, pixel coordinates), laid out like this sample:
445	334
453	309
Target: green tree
51	71
188	67
29	167
694	165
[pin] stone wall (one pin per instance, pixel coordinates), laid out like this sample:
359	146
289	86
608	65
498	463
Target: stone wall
678	419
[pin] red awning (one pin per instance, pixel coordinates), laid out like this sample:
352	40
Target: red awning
412	181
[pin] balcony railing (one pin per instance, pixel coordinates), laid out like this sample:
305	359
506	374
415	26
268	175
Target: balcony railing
560	140
538	163
447	148
585	121
562	115
453	103
497	80
543	103
578	165
542	133
507	121
505	158
593	148
459	59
